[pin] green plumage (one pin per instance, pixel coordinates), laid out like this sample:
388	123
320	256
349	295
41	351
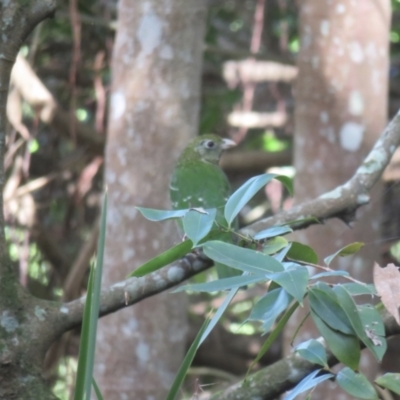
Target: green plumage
198	181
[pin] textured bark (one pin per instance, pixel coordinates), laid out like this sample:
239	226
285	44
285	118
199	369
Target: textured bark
154	112
341	103
24	333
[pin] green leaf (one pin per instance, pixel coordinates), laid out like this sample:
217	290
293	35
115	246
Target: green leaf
344	252
274	335
282	254
161	215
302	252
357	289
294	281
269	307
197	223
167	257
186	363
274	245
287	182
346	348
97	390
84	375
272	232
308	383
324	303
374	328
221	284
329	273
351	310
217	316
243	259
313	351
390	381
242	195
356	384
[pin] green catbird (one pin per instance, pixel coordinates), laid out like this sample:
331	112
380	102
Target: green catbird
198	181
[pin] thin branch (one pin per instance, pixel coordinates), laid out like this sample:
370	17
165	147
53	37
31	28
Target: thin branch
343	201
134	290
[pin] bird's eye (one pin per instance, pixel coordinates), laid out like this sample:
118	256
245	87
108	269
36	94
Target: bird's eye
210	144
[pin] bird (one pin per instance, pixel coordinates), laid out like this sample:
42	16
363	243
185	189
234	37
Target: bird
199	182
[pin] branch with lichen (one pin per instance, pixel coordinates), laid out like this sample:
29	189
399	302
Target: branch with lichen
341	203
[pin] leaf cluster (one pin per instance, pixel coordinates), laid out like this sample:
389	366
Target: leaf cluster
286	270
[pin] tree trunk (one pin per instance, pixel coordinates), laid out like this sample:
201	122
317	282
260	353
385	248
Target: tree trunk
341	106
154	112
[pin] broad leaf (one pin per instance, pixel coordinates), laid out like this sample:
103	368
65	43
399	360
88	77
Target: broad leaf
269	307
351	310
282	254
302	252
324	303
356	384
272	232
197	224
390	381
274	245
346	348
374	328
308	383
274	335
242	195
243	259
294	281
344	252
313	351
221	284
161	215
358	289
329	273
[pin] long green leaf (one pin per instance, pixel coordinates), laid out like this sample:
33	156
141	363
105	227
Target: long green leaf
161	215
91	313
97	390
201	336
356	384
221	284
246	260
186	363
346	348
198	223
344	252
167	257
350	308
242	195
274	335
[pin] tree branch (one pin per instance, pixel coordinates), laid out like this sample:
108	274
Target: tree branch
272	381
134	290
17	19
341	202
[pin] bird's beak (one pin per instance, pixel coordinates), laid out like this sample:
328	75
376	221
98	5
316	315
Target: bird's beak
227	144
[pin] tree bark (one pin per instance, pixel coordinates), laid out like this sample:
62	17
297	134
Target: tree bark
154	112
341	106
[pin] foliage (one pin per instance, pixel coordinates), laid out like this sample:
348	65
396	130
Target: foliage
285	275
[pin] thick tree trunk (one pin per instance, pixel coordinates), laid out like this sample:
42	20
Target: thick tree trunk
341	105
154	112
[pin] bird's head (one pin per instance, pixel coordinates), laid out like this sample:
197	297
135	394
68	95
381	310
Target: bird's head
210	147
